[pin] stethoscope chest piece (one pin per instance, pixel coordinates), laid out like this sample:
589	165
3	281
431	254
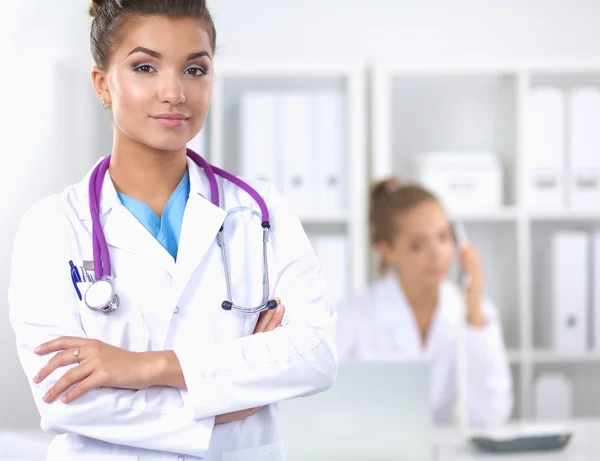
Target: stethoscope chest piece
101	296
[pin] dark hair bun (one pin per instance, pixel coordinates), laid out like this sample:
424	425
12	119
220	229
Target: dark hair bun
95	7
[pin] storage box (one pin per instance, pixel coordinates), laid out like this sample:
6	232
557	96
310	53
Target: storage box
463	181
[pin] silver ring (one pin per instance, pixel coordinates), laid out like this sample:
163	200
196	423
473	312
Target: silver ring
76	354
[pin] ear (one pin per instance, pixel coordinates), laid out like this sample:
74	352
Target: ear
385	250
100	83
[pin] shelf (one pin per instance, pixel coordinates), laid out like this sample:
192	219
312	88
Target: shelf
552	216
514	356
504	214
486	105
322	218
541	356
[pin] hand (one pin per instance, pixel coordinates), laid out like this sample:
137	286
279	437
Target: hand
100	365
267	321
471	264
235	415
270	319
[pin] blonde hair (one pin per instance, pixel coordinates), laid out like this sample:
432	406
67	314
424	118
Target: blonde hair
389	200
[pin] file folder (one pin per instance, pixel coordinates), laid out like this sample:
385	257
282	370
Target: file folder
545	169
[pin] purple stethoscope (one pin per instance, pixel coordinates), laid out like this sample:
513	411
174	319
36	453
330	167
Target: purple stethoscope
101	295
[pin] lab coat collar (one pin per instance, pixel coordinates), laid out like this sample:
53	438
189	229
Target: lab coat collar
109	198
201	222
199	184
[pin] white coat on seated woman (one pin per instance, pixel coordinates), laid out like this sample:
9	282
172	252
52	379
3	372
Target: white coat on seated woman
414	312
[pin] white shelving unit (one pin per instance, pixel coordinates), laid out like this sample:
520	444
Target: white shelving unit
233	77
485	106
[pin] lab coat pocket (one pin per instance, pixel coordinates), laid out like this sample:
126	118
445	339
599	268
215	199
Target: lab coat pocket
272	452
121	328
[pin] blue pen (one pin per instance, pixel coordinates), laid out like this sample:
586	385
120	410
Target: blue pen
75	277
75	272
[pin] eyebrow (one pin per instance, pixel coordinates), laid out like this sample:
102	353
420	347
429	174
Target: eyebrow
157	55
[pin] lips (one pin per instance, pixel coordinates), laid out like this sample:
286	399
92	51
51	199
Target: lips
171	120
171	116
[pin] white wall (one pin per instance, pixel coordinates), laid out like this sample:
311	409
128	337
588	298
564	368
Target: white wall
408	28
46	31
351	28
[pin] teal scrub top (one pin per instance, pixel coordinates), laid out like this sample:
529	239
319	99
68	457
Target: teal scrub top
165	230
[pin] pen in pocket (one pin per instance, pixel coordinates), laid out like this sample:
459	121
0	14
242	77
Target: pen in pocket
75	278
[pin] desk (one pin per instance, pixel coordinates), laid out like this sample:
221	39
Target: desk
584	446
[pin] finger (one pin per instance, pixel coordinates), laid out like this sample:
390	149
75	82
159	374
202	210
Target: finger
277	318
465	257
59	344
253	411
61	359
248	412
70	378
263	320
84	386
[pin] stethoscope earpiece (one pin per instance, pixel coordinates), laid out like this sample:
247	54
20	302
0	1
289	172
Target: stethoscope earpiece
272	304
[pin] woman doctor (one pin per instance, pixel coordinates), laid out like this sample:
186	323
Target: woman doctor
414	312
169	374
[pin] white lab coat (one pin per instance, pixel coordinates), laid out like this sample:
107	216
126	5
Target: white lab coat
167	305
380	325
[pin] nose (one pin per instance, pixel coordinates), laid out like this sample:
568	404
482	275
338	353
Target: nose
172	90
436	252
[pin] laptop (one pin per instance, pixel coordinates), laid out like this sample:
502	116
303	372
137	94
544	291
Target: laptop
376	411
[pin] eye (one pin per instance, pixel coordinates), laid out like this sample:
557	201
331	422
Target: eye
196	71
416	246
445	236
145	68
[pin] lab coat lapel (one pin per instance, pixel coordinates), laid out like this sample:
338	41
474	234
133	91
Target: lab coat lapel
432	339
400	318
445	320
124	231
121	229
201	223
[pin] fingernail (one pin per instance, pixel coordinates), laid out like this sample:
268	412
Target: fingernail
37	349
63	399
279	309
36	378
47	396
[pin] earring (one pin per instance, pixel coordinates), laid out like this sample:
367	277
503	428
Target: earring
104	105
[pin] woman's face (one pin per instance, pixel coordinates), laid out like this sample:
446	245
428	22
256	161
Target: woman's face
159	81
423	246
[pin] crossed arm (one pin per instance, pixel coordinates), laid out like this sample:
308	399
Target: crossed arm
102	365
